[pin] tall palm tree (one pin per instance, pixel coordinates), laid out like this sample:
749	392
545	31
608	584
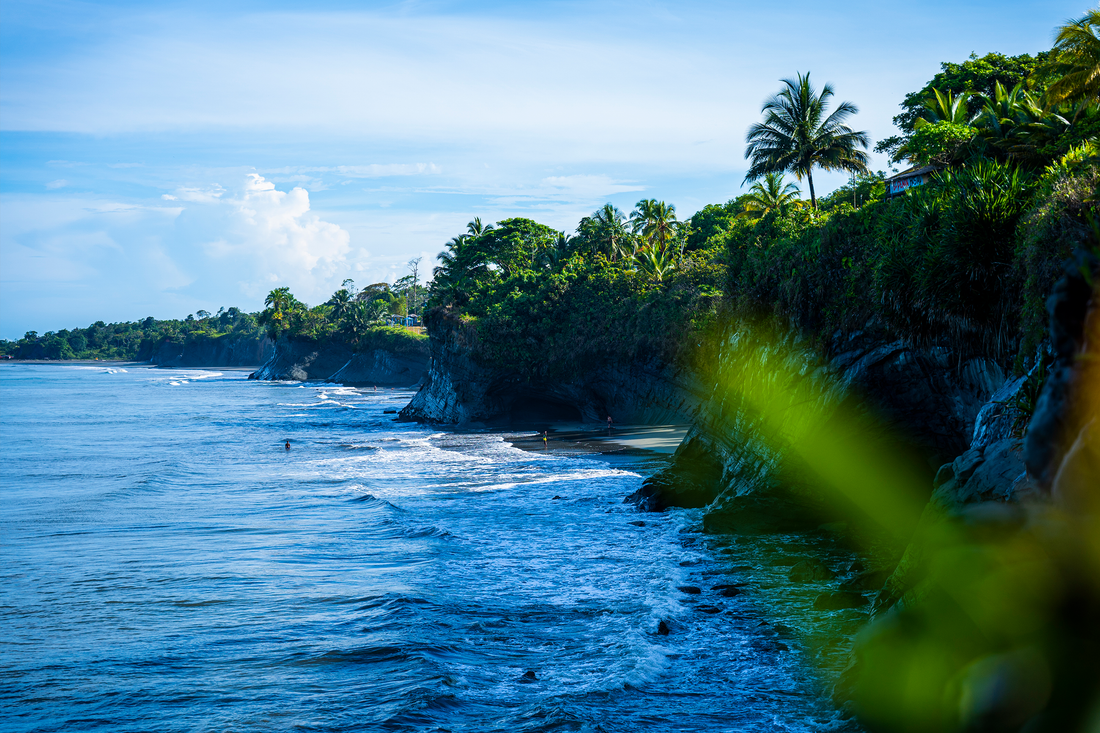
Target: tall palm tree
773	193
797	135
1076	65
655	222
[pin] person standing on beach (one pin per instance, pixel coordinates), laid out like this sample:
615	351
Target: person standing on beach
544	444
609	423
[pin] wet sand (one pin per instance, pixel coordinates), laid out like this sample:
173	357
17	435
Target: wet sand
577	438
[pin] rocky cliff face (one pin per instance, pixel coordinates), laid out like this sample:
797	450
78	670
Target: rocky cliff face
918	406
221	352
335	362
380	367
302	360
458	390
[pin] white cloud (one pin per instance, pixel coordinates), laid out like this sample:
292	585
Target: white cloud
262	237
59	183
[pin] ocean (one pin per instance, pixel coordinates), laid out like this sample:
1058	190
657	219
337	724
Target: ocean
167	565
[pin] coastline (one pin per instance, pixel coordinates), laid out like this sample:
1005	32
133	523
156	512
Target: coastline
582	439
113	363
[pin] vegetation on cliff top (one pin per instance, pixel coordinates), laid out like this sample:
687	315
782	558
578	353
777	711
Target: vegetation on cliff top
965	261
357	318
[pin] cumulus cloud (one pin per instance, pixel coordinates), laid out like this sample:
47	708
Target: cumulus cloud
262	238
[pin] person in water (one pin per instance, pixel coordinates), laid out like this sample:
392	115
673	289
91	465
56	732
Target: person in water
609	422
544	445
287	446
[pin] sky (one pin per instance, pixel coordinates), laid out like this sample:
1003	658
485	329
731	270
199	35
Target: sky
162	158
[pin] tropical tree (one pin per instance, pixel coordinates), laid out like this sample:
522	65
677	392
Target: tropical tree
283	313
772	194
655	222
475	228
552	255
944	107
605	232
968	79
1076	63
796	135
340	301
654	262
361	317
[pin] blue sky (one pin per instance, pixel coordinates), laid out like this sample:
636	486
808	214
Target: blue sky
161	159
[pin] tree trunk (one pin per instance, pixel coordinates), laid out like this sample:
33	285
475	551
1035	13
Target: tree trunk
813	198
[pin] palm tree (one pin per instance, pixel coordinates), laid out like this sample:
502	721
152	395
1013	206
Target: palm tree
552	256
797	135
654	262
475	228
1076	65
944	107
773	193
340	302
611	223
655	222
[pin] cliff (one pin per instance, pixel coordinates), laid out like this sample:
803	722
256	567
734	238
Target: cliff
460	390
403	366
772	397
226	351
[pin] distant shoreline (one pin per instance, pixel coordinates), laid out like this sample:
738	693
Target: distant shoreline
111	362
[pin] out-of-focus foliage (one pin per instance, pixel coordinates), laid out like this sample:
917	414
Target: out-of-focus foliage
133	341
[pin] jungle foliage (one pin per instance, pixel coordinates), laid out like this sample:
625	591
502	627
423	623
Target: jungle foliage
360	319
133	340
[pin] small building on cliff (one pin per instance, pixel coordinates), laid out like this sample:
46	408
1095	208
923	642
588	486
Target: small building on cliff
907	179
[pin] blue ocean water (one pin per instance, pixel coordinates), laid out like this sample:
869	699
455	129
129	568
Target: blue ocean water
167	566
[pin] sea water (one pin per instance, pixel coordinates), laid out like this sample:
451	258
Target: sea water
167	565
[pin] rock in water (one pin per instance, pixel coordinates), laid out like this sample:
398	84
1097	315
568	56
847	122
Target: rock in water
839	600
691	590
808	570
662	629
529	676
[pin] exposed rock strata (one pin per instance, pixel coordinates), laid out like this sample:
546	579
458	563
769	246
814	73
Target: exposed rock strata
302	360
384	368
